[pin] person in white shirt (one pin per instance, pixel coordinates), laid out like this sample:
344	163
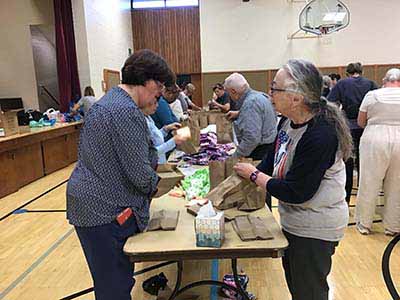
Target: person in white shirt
185	100
86	102
177	109
380	155
171	95
158	135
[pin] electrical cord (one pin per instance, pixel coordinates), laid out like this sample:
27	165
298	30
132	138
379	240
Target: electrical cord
386	268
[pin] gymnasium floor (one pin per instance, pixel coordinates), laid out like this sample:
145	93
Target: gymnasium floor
40	256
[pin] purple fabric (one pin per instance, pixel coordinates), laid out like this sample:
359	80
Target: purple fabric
209	151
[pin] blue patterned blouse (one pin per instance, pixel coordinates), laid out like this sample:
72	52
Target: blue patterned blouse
116	162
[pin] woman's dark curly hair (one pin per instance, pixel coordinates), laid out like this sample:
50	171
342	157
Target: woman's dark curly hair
145	65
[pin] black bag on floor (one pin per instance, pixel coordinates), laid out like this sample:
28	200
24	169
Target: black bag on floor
154	284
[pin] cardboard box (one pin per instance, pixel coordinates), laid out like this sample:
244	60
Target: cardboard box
9	122
210	231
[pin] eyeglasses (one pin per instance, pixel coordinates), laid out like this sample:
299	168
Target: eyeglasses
272	89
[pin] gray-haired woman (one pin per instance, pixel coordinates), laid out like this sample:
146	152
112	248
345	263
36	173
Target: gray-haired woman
380	155
307	175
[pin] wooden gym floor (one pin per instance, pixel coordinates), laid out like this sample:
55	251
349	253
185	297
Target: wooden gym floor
40	256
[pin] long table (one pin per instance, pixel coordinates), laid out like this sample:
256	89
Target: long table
180	245
35	152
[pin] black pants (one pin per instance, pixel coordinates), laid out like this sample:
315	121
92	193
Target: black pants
111	270
307	263
356	135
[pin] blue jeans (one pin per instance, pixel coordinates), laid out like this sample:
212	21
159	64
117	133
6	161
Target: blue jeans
111	270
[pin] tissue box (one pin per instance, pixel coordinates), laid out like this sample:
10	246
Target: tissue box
210	231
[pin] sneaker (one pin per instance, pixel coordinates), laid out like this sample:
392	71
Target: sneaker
388	232
362	229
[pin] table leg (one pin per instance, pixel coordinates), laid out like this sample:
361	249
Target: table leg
235	276
178	280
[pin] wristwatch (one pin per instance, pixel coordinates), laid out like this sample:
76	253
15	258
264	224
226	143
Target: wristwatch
253	176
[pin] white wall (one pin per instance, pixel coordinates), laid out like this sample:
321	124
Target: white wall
253	35
45	62
17	71
81	43
103	34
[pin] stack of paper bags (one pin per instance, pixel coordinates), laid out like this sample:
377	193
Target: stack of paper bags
250	228
170	176
235	191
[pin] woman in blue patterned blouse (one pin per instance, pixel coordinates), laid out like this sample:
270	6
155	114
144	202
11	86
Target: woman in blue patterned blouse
115	172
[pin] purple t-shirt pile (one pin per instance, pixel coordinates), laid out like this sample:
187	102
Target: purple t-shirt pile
209	150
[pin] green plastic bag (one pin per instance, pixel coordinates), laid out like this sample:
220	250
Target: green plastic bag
197	185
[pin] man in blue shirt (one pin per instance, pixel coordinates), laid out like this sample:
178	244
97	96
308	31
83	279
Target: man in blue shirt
164	115
350	92
255	122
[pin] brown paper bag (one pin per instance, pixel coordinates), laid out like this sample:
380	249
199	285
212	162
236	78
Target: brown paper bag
231	214
163	168
224	130
234	190
224	126
194	132
170	219
232	199
188	147
203	120
253	198
251	228
216	196
167	181
244	229
229	163
217	172
195	114
260	228
163	220
212	118
220	170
